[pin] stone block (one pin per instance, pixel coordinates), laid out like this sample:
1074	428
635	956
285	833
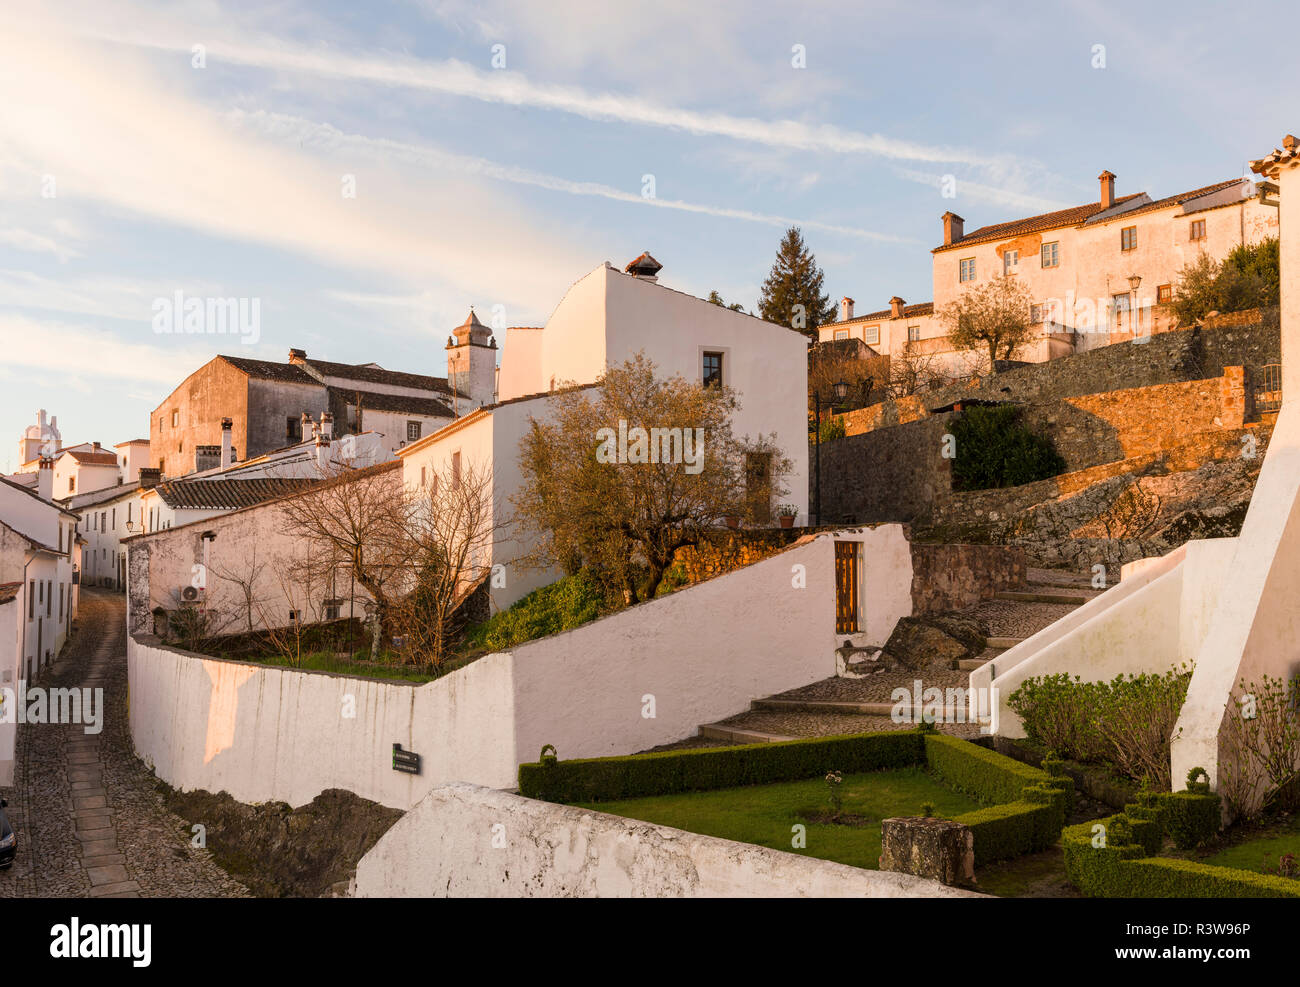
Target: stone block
938	849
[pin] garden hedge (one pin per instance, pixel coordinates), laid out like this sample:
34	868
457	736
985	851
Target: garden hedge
1130	870
1025	807
609	779
1190	818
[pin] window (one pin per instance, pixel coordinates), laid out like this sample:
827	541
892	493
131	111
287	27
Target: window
114	518
871	335
1197	230
293	616
455	471
293	429
966	269
49	597
176	419
913	334
31	599
1050	254
712	374
1035	314
1164	294
60	601
161	423
72	484
412	431
162	467
1128	238
1010	261
423	479
1119	304
103	516
841	334
331	608
758	485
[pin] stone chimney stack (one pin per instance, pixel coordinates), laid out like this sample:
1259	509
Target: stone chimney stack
896	307
1107	189
846	308
306	427
227	454
953	228
45	478
322	454
297	356
150	477
327	425
644	267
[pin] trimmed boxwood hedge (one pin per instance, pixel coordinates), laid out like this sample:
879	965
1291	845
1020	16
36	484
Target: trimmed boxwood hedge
1189	817
1026	807
1130	870
609	779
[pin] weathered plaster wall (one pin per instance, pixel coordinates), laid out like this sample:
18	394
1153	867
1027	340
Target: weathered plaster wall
445	847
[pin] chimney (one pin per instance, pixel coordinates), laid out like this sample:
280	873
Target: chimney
846	308
45	479
322	454
327	425
953	228
644	267
1107	189
226	453
150	477
896	307
304	424
297	356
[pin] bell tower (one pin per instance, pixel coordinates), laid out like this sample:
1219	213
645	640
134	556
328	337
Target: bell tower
472	364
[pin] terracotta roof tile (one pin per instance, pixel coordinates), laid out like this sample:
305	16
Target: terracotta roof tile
375	401
9	591
377	375
228	493
94	458
909	312
266	370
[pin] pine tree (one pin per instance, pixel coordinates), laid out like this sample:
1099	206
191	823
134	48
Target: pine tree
792	294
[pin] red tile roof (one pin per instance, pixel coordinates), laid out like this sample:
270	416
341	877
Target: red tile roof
1074	216
909	312
94	458
227	493
8	591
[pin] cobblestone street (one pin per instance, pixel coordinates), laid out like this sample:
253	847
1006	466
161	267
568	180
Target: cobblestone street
89	819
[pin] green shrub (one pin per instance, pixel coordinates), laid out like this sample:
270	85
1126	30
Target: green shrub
563	605
1126	723
1129	870
1012	829
832	429
984	774
995	449
1190	818
609	779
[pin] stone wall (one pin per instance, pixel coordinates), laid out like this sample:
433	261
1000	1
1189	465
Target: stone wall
463	841
729	550
951	577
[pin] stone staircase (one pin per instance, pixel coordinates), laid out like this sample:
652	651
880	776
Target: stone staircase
1025	612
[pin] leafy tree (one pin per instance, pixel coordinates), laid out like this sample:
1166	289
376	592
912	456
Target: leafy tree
994	316
623	517
716	299
792	294
1249	277
995	449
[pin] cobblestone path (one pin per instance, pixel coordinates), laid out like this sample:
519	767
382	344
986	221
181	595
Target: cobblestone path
89	818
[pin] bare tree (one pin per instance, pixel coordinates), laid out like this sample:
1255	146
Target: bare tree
449	542
913	369
246	584
355	523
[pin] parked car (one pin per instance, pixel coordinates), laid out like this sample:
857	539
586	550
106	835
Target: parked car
8	839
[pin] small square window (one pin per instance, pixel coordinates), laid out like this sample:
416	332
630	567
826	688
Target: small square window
1010	261
913	334
871	335
412	431
841	334
1050	254
1128	238
712	372
966	269
176	419
1164	294
1197	231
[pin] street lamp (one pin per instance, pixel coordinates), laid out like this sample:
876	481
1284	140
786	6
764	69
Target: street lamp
839	389
1133	281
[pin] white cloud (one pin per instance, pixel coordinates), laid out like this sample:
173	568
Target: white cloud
34	243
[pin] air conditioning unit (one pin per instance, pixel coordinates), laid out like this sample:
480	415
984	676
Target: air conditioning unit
190	594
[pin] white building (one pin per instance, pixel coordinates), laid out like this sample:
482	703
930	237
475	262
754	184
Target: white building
604	319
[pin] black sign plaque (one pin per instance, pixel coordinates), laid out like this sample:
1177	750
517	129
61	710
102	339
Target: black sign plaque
405	761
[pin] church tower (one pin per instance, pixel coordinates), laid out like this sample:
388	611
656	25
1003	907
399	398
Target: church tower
472	365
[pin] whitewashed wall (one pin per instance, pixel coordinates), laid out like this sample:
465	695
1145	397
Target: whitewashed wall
444	847
263	733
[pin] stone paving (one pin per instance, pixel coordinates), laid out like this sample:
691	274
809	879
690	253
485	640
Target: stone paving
88	815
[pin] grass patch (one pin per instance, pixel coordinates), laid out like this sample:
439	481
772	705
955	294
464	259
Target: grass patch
323	661
765	815
1261	849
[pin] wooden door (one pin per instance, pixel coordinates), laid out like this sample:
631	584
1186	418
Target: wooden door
846	587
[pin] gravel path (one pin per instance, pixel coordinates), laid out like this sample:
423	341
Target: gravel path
791	724
89	819
878	688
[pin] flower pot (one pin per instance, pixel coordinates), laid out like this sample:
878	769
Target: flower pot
787	520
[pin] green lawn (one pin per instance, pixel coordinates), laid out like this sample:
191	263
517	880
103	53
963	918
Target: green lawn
766	814
1266	848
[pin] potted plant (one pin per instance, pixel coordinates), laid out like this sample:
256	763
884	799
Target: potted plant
787	513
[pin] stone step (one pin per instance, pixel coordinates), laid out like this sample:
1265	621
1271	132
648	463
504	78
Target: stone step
970	664
829	706
716	731
1001	643
1019	596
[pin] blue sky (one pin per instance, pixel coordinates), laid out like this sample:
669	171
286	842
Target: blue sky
500	186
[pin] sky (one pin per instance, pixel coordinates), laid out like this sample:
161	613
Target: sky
360	175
